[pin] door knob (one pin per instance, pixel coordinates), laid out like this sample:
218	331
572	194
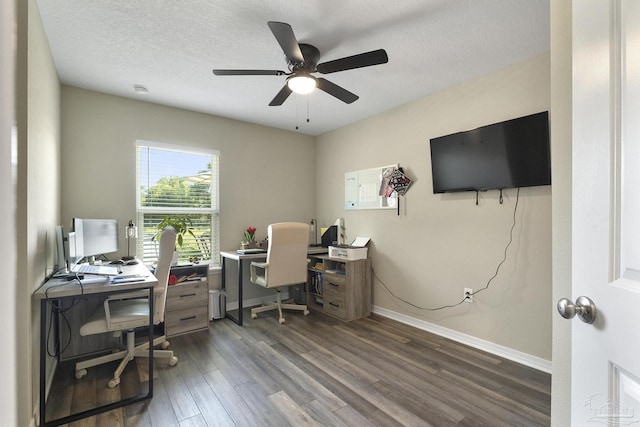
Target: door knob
584	308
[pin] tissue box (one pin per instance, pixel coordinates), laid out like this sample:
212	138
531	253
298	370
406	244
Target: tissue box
348	252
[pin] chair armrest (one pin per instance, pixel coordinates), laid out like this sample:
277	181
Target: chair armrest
143	293
260	264
254	269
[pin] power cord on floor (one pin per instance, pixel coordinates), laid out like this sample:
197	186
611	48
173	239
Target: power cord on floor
504	258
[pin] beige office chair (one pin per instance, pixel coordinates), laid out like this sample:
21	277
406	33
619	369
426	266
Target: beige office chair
286	264
127	311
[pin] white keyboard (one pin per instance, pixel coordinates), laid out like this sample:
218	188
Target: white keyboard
104	270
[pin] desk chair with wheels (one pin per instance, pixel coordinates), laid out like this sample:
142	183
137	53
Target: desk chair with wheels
286	264
127	311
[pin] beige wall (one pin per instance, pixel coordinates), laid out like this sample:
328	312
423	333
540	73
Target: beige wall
8	289
266	175
441	244
38	110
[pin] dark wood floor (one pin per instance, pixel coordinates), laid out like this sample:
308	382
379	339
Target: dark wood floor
314	370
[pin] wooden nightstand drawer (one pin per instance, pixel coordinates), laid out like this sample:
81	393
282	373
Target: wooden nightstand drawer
187	295
335	307
334	283
179	322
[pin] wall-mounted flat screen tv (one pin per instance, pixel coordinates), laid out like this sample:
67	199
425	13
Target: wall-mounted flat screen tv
509	154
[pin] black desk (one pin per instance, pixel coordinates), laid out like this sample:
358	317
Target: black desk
61	290
240	259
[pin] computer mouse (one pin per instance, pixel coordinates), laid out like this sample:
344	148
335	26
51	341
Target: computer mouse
117	261
132	262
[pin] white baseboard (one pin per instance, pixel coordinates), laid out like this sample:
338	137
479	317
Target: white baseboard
495	349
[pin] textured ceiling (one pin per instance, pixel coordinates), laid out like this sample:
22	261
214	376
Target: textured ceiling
171	47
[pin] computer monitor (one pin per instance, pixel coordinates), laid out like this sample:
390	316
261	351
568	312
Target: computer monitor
94	237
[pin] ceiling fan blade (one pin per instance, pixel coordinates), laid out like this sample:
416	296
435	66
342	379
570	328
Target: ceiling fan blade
366	59
248	72
281	96
287	40
339	92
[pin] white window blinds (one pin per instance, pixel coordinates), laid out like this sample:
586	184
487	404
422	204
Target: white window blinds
178	182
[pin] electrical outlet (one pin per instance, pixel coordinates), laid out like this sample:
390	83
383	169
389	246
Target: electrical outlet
468	295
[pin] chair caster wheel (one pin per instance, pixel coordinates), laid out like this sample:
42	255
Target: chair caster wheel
81	373
114	382
165	345
281	320
254	316
173	361
306	312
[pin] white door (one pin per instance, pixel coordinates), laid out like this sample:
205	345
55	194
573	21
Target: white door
605	386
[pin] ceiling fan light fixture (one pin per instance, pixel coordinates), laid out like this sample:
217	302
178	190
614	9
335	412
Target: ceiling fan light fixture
302	83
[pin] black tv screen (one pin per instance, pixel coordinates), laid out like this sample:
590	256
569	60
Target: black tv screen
509	154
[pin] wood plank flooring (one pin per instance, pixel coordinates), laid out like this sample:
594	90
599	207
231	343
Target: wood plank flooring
314	371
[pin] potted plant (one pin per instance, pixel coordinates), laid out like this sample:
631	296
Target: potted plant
182	225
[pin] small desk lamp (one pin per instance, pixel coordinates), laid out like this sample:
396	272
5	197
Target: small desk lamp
132	233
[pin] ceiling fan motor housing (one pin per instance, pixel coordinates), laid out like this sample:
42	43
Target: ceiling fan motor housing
311	56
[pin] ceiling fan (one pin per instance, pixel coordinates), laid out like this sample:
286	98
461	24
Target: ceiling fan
302	60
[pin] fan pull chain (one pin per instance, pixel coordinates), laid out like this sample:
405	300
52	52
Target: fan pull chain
298	118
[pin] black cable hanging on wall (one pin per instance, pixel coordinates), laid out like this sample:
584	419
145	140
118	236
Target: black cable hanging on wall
487	284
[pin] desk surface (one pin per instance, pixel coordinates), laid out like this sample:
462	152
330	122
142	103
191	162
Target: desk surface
61	288
311	250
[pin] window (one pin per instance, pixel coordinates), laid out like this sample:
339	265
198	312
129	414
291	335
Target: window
178	182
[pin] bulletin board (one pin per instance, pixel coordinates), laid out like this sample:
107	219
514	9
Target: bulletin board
362	190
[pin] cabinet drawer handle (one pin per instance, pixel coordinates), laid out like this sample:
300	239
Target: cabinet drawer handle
188	295
187	318
335	305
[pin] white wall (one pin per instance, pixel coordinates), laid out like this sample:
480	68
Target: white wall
8	335
441	244
38	207
266	175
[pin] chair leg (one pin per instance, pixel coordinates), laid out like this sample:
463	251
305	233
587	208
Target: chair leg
280	306
279	299
131	341
143	351
127	355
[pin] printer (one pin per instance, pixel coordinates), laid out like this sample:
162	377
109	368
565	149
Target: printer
356	250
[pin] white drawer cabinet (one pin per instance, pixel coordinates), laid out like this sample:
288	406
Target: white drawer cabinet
187	304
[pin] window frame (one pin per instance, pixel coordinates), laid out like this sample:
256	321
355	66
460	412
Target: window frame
214	210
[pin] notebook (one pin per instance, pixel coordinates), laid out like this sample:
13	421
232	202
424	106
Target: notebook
251	251
104	270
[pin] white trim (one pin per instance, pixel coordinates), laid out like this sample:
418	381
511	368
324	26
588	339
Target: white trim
177	147
495	349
